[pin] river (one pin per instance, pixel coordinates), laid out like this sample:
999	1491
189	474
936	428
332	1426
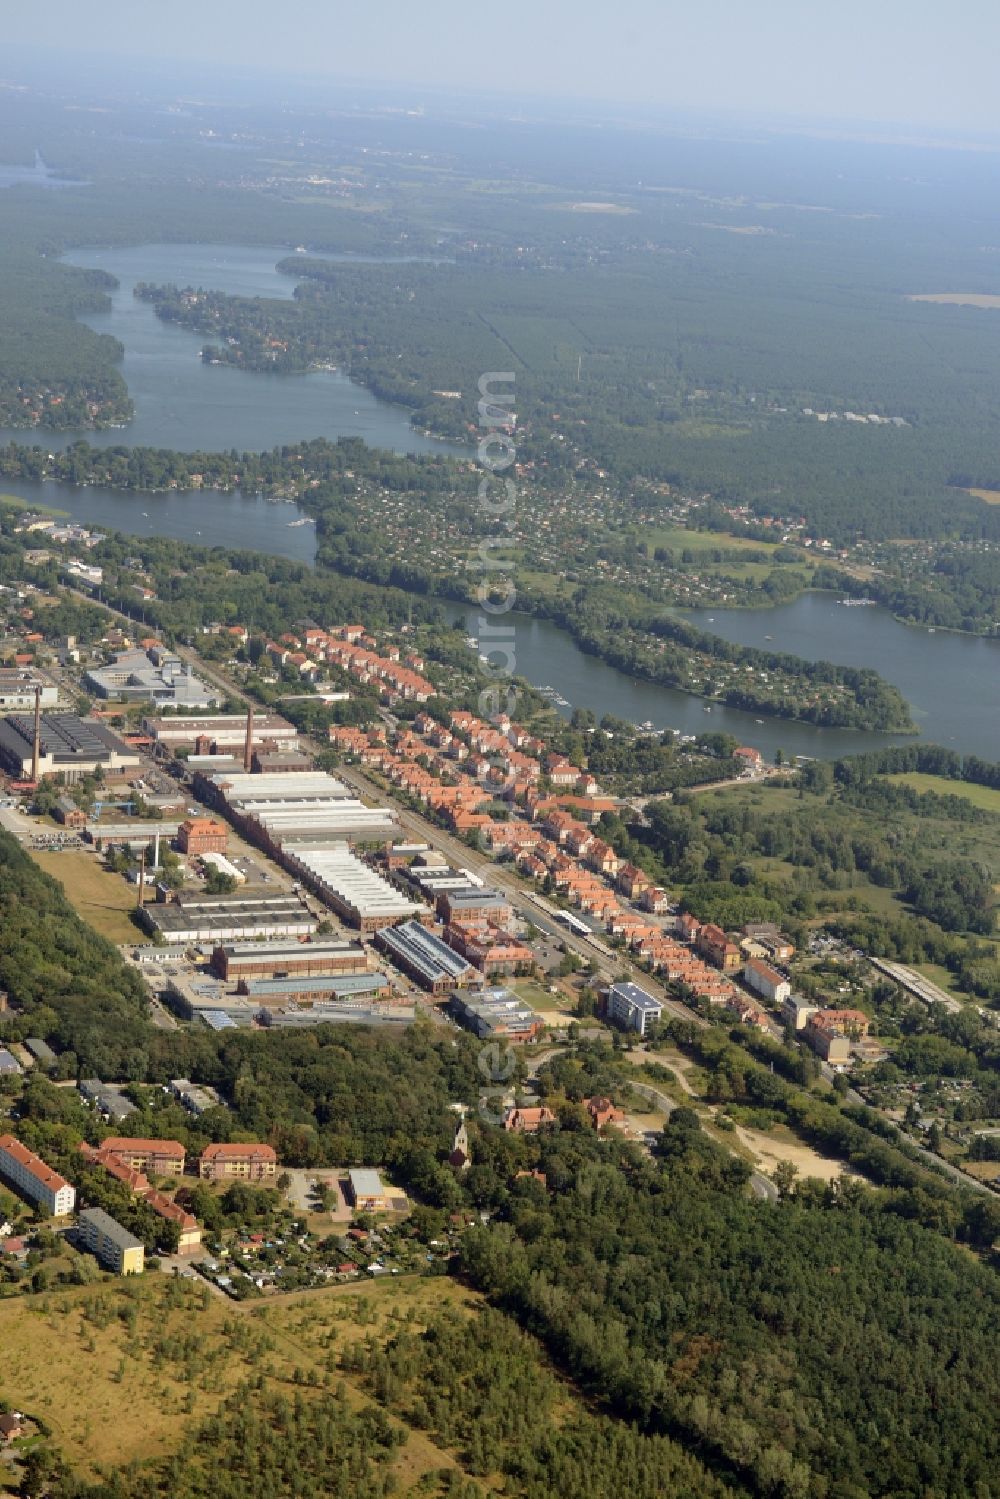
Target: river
185	404
950	681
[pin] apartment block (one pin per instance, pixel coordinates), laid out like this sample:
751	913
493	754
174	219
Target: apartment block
28	1174
114	1246
242	1162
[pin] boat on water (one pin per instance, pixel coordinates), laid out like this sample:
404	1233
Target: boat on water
758	720
768	637
304	520
706	708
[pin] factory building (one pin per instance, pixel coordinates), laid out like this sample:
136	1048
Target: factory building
425	957
221	733
17	689
229	918
270	960
356	893
67	745
275	810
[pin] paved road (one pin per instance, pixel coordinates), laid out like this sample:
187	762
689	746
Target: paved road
761	1186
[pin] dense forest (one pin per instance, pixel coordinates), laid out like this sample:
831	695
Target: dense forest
795	1344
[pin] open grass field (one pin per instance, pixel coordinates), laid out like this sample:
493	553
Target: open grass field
103	900
991	496
120	1369
678	539
984	797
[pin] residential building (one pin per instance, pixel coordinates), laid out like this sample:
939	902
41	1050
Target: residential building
766	981
28	1174
601	1112
106	1098
156	1157
714	945
527	1121
116	1248
9	1065
797	1012
632	1007
238	1162
832	1048
852	1023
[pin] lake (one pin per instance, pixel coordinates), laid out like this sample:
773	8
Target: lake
951	681
185	404
37	175
204	517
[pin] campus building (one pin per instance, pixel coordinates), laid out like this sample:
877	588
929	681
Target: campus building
367	1192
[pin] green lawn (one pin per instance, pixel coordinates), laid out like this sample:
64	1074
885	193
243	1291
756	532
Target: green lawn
980	796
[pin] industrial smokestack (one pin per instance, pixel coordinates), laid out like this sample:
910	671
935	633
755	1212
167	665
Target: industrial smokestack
142	877
36	743
248	747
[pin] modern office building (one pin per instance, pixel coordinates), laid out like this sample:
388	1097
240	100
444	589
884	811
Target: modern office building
632	1007
116	1248
496	1012
155	675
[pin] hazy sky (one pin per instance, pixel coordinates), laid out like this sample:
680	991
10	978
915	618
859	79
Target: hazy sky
915	61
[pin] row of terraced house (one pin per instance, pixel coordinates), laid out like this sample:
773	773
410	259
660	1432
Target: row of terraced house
461	770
